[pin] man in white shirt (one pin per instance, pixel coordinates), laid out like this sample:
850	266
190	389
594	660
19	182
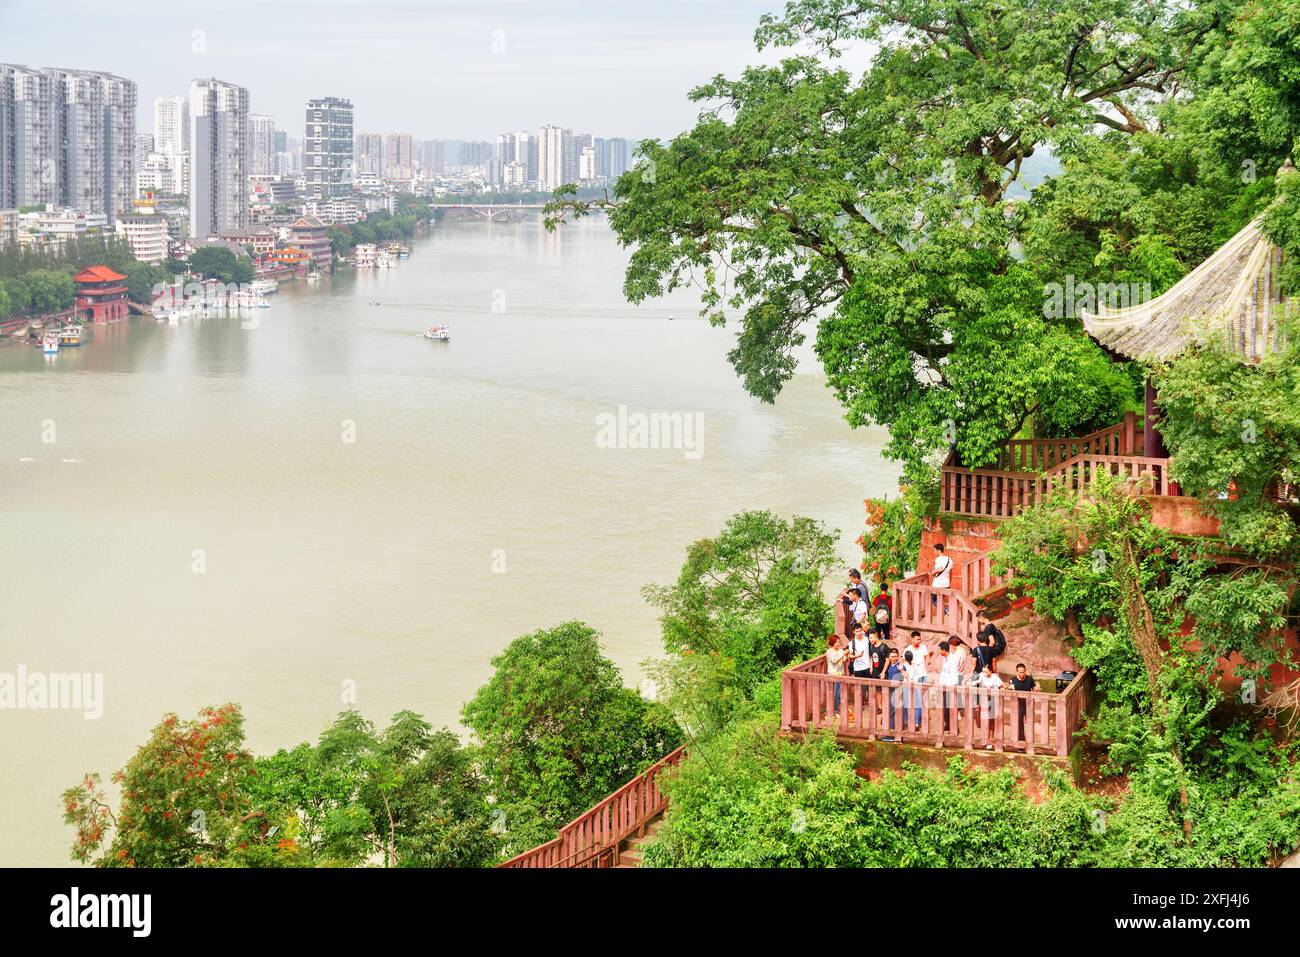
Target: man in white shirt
949	676
940	576
990	683
916	657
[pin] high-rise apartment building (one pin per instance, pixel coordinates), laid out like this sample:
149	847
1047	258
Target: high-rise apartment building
327	149
171	137
218	158
370	154
261	136
398	161
67	137
556	163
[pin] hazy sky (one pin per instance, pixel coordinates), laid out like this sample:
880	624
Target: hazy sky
608	67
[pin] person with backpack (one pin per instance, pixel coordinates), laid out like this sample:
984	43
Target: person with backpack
882	612
854	599
997	641
940	578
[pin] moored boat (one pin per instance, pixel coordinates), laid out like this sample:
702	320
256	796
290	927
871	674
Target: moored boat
71	335
50	345
441	333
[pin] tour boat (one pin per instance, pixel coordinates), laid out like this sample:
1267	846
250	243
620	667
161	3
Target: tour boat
261	287
70	335
51	345
441	333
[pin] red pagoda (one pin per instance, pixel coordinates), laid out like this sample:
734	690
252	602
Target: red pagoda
101	295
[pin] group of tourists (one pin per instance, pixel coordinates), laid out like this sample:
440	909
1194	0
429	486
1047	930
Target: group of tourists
864	651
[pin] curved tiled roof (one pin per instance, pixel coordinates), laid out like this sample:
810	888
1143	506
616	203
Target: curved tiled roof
1232	298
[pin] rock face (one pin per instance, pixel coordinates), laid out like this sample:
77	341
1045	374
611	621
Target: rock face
1044	646
962	539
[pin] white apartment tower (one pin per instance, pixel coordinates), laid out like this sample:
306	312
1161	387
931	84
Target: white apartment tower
327	149
171	137
261	153
556	163
219	151
67	137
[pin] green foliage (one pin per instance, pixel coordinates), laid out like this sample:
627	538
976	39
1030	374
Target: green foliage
194	796
753	593
558	731
220	263
752	799
892	539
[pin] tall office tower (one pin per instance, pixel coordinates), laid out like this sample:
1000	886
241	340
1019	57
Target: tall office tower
398	161
67	137
261	153
327	153
370	154
218	158
437	156
171	137
556	164
581	141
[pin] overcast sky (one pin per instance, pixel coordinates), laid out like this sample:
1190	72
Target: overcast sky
607	67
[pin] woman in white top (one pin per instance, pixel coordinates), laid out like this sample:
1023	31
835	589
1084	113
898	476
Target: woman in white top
940	575
835	655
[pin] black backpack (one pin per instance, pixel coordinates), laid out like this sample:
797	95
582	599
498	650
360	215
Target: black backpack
998	641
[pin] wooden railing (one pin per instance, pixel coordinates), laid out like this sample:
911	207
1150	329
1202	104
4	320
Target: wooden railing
919	605
927	713
988	493
1043	455
977	576
592	839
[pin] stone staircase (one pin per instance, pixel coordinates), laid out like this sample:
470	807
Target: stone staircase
633	849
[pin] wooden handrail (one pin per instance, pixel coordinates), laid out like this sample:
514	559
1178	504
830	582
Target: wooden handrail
600	830
929	713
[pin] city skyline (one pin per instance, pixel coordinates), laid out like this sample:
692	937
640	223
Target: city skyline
475	69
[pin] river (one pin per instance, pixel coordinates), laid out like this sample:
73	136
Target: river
204	512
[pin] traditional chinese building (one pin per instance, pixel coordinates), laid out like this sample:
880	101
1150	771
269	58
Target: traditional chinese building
101	295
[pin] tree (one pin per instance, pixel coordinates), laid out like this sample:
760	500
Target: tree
752	593
884	206
558	731
217	262
183	802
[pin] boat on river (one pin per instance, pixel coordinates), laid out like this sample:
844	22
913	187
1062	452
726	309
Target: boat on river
441	333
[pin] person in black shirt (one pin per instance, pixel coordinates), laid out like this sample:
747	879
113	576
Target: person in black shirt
997	641
1023	681
983	652
857	589
879	657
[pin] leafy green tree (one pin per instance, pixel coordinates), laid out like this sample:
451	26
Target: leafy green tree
753	592
216	262
558	731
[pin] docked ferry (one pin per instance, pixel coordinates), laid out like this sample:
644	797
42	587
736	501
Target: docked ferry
71	335
50	345
441	333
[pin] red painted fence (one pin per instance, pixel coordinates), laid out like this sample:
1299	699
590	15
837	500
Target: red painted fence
959	716
593	838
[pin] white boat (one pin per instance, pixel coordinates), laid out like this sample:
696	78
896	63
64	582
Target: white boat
71	335
50	345
262	287
441	333
313	277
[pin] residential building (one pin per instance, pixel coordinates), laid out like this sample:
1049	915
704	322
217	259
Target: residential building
67	137
398	161
218	157
327	152
261	138
8	226
145	232
171	137
155	175
556	164
370	154
587	165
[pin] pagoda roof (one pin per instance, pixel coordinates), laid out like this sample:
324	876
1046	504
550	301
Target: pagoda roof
98	274
1232	298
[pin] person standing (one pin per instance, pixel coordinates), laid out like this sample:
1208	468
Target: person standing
949	677
918	670
836	653
997	641
882	611
855	593
990	684
879	656
897	696
859	666
1023	681
940	577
